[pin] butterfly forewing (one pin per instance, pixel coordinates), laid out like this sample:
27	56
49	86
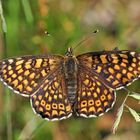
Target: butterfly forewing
94	97
115	68
50	100
25	74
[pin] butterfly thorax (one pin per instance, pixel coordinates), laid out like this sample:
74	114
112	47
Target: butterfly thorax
70	69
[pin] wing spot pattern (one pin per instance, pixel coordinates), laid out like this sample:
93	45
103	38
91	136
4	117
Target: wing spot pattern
91	102
83	103
48	107
99	68
133	65
43	103
115	83
29	89
124	71
32	76
119	75
123	64
14	75
19	62
9	80
25	82
98	103
9	67
130	68
27	72
117	67
103	59
54	106
20	71
18	67
103	98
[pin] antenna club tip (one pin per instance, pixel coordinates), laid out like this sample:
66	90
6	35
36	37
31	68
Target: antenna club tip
96	31
47	33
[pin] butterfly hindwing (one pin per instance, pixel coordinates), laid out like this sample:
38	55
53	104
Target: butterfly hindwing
50	100
94	98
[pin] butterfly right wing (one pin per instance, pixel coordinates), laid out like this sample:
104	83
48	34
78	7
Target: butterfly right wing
25	74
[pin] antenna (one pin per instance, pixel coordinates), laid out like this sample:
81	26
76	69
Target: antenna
85	38
47	33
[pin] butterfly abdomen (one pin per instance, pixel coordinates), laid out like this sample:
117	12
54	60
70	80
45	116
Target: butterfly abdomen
70	69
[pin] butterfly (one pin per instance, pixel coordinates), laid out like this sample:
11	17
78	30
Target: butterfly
62	86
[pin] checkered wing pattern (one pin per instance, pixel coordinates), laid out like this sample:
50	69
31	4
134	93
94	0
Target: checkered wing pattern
25	74
116	69
50	100
94	97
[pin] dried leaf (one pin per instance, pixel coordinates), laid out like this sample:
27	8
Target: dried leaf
135	95
134	114
118	118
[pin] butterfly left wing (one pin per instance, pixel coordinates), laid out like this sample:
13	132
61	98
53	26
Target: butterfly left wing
94	97
115	68
50	100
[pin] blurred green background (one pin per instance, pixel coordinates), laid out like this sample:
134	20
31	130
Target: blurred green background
68	22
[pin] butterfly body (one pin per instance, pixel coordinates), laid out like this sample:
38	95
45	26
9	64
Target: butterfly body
62	86
70	71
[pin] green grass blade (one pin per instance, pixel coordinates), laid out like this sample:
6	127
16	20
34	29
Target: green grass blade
27	11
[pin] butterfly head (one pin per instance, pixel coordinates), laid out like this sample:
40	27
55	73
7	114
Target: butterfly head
69	52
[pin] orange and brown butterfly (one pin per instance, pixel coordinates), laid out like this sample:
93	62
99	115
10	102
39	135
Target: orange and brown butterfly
62	86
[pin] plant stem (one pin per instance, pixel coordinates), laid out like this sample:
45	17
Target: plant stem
8	103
